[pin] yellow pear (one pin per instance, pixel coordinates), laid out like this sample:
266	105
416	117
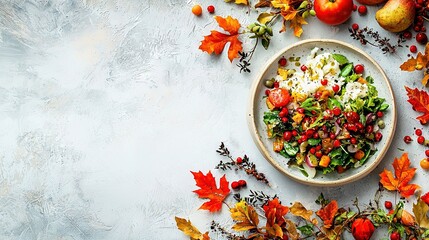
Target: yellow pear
396	15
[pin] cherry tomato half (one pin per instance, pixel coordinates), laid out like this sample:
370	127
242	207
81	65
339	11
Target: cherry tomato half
279	97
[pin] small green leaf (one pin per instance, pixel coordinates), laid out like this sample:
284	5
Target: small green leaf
341	59
265	43
313	141
347	70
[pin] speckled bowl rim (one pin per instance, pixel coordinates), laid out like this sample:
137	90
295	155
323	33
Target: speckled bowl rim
315	182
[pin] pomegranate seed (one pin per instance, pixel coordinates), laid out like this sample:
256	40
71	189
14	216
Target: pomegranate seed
235	185
395	236
336	111
380	114
303	68
276	84
353	140
359	68
211	9
287	136
413	48
300	110
319	154
282	61
336	88
419	132
294	133
378	136
312	150
332	136
388	204
318	147
427	153
267	92
362	10
369	129
337	143
318	94
324	82
355	26
407	139
355	7
284	119
309	133
242	183
239	160
304	138
421	139
423	29
316	135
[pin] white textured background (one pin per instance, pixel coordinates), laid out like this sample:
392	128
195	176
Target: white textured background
105	107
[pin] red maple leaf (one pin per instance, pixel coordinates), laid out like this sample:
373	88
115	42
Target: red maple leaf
209	190
275	211
216	41
420	101
403	175
327	213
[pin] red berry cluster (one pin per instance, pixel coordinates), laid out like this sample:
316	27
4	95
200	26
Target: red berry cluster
238	184
424	163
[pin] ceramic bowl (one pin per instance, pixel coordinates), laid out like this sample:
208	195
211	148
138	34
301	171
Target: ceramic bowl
257	107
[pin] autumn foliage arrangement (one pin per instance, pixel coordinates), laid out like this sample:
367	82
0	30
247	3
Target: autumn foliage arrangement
259	216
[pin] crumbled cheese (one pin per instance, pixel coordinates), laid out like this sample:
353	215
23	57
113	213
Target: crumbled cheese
322	66
354	90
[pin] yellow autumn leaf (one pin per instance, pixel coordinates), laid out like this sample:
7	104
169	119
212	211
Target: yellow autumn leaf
299	210
265	17
190	230
280	4
245	216
420	210
296	24
244	2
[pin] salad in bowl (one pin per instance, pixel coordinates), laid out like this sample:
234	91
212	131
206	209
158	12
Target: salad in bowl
322	114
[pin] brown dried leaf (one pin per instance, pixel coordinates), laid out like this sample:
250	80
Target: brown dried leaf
291	229
263	3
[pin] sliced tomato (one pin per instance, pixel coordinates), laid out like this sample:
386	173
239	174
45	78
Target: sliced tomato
279	97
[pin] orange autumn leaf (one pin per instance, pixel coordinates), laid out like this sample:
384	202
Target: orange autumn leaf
296	24
418	63
190	230
216	41
275	212
209	190
403	175
327	213
419	99
415	63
